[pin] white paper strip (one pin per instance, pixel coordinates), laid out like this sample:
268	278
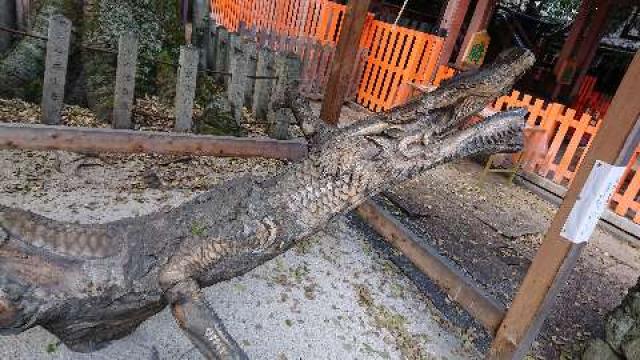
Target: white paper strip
592	202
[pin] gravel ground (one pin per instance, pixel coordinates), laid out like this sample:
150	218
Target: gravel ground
491	229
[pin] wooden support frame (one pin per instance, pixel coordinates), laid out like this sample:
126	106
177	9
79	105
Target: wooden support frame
461	290
345	60
40	137
557	256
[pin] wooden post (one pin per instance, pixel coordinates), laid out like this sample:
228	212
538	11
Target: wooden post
450	27
344	61
186	87
480	20
589	48
556	257
125	80
262	91
55	72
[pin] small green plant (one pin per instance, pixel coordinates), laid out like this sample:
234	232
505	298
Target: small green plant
198	229
52	348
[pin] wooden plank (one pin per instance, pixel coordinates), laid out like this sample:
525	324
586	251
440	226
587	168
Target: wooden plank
125	80
41	137
344	61
55	72
482	307
556	257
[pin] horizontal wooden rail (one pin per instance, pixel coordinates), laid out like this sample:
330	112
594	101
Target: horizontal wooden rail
42	137
482	307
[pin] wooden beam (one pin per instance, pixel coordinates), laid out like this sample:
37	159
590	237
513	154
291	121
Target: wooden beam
555	258
591	44
40	137
344	61
568	48
480	20
466	293
450	27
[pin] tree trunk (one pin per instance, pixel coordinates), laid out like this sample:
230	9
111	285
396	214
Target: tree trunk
89	284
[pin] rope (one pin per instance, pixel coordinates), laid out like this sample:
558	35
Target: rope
109	51
400	12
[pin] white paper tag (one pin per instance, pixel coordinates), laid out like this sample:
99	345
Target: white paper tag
591	202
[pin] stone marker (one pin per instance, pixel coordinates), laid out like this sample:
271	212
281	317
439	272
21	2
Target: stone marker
55	72
252	66
125	81
288	71
186	87
262	89
222	55
238	62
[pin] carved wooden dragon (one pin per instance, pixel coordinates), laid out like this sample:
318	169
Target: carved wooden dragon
89	284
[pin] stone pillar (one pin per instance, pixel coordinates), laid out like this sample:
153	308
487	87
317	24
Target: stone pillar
125	81
288	71
222	55
186	87
238	62
55	72
252	66
7	19
262	90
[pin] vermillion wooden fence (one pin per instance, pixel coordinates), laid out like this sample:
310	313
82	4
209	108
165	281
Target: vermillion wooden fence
569	136
591	101
393	54
396	55
625	200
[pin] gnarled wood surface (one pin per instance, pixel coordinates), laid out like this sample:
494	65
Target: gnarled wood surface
92	284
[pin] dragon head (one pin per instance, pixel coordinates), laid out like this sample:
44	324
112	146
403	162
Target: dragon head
426	131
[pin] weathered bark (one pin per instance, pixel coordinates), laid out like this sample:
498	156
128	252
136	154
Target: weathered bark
89	284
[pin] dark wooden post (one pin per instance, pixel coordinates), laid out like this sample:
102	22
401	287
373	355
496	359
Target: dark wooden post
589	48
574	34
557	256
344	61
481	16
450	27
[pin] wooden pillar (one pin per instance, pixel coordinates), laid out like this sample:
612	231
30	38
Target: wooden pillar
344	61
589	48
450	27
575	33
556	257
480	20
